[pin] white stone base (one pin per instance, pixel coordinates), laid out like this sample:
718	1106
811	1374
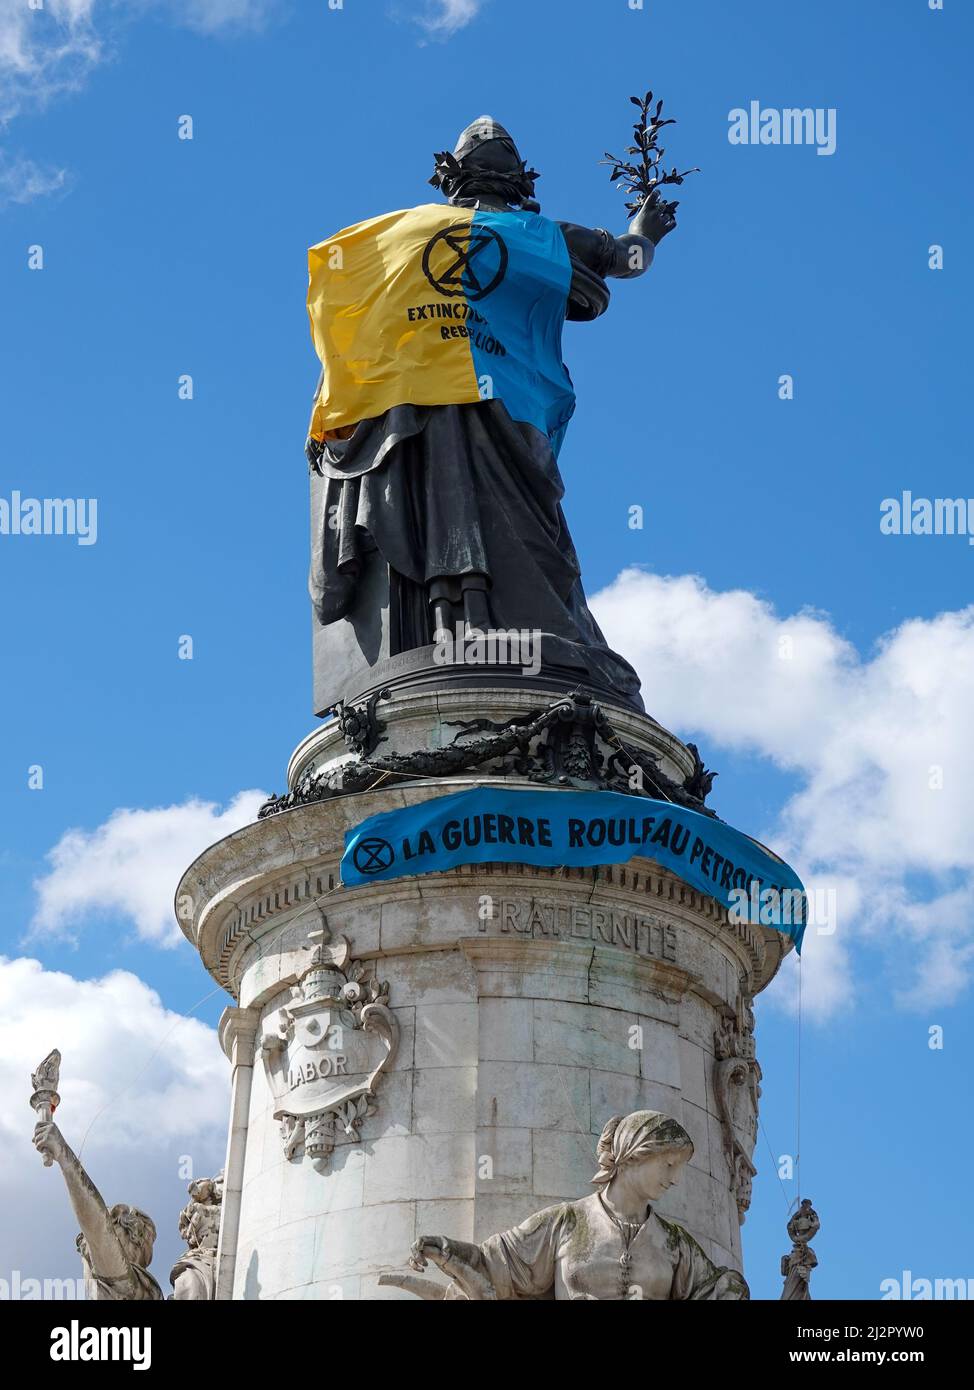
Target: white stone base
533	1005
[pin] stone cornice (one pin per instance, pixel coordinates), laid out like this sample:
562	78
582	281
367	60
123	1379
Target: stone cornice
267	871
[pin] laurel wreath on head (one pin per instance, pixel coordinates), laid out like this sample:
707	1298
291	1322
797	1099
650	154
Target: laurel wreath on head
450	176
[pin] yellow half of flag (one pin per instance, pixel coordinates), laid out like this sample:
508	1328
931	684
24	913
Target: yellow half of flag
438	305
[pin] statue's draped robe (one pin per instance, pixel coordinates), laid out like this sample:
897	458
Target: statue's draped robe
451	490
193	1276
573	1251
138	1284
797	1268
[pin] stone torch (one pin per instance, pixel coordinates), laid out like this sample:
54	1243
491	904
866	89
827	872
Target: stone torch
45	1099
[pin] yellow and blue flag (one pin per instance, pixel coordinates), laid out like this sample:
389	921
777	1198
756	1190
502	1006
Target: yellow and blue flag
439	305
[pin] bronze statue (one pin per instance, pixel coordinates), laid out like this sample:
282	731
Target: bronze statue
455	494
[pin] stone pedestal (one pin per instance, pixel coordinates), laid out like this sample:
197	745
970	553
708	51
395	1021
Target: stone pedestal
525	1006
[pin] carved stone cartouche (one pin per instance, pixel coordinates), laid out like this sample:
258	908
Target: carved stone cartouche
325	1051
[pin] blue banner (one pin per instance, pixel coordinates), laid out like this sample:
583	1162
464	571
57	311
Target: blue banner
554	828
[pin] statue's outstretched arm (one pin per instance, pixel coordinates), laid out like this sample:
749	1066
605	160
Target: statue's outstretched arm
626	256
107	1258
463	1263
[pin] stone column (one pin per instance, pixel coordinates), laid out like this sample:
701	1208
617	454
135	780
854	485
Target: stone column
238	1029
525	1007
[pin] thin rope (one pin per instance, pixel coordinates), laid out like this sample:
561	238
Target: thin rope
220	989
648	776
774	1164
795	1201
129	1084
798	1095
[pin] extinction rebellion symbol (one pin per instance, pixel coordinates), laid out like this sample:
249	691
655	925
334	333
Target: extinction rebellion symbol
463	260
372	856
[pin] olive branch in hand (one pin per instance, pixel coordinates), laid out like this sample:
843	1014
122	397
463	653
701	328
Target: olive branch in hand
645	179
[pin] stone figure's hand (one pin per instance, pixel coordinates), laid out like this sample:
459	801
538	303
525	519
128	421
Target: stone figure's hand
655	219
49	1141
435	1248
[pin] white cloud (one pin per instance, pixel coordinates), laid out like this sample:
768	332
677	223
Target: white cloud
131	865
441	19
211	16
868	737
147	1087
21	180
881	747
50	52
44	53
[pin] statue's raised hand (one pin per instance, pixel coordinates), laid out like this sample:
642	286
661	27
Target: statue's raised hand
655	219
49	1141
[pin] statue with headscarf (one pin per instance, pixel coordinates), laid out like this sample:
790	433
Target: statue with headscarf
193	1276
443	402
609	1246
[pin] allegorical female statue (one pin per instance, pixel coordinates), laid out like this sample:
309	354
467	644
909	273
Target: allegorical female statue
115	1244
443	402
801	1260
609	1246
193	1276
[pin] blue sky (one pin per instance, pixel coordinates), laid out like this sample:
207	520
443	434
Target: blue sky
165	256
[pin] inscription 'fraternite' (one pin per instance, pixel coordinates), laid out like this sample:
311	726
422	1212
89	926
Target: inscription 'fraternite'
646	935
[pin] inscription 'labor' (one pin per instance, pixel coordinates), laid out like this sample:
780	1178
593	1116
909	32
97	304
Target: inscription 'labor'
336	1065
